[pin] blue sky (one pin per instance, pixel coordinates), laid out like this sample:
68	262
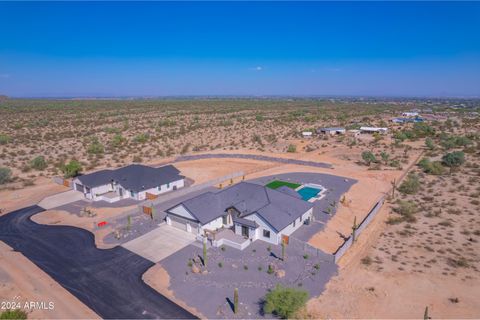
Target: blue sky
239	48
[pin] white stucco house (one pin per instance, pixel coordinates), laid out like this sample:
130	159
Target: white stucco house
250	211
331	131
135	181
380	130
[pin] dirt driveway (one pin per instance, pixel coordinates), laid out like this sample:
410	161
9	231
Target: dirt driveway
160	242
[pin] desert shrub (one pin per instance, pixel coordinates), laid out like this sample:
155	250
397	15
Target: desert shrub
13	314
95	147
4	139
39	163
292	148
5	175
72	169
429	144
422	130
430	167
453	159
368	157
285	302
411	185
406	210
141	138
117	140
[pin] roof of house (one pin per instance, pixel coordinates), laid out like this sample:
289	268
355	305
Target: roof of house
332	129
373	129
277	208
135	177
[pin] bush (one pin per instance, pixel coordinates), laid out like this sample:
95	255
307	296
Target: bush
285	302
14	314
72	169
292	148
5	175
411	185
141	138
117	140
39	163
454	159
368	157
429	167
4	139
95	147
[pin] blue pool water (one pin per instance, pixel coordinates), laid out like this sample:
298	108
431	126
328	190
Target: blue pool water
308	192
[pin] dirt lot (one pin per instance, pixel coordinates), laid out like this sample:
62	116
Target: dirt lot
22	281
60	217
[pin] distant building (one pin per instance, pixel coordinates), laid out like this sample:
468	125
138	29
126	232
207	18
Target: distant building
410	114
332	131
354	132
407	120
135	181
373	130
307	134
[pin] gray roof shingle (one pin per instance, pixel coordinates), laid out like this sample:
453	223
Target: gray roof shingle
275	207
135	177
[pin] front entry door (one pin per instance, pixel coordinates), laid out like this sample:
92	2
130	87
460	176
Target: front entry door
245	231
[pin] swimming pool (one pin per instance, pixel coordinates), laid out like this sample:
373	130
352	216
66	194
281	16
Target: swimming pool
308	192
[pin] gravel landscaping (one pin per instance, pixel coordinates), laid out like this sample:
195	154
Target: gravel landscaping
247	270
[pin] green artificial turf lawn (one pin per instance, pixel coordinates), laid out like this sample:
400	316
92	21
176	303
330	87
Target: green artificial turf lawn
278	183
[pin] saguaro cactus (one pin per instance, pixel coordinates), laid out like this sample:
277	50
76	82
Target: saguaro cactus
205	252
235	300
129	222
425	314
354	229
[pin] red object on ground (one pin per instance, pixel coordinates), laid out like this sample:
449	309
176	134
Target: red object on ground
101	224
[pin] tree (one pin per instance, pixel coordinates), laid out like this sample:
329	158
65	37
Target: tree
14	314
5	175
368	157
72	169
284	302
453	159
39	163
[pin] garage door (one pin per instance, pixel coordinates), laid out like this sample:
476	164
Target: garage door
179	225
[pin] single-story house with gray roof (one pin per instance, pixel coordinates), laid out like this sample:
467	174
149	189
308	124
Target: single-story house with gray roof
250	210
134	181
331	130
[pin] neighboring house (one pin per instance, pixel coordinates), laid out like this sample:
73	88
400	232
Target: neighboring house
135	181
407	120
250	210
354	132
373	130
307	134
332	131
410	114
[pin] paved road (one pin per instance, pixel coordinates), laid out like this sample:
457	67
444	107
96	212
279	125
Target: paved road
108	281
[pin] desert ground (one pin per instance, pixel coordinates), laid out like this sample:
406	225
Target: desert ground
394	270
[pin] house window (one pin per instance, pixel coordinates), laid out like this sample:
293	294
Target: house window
301	218
224	219
168	185
266	233
159	188
294	222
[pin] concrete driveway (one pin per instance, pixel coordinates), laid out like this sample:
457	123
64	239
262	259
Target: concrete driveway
60	199
160	243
